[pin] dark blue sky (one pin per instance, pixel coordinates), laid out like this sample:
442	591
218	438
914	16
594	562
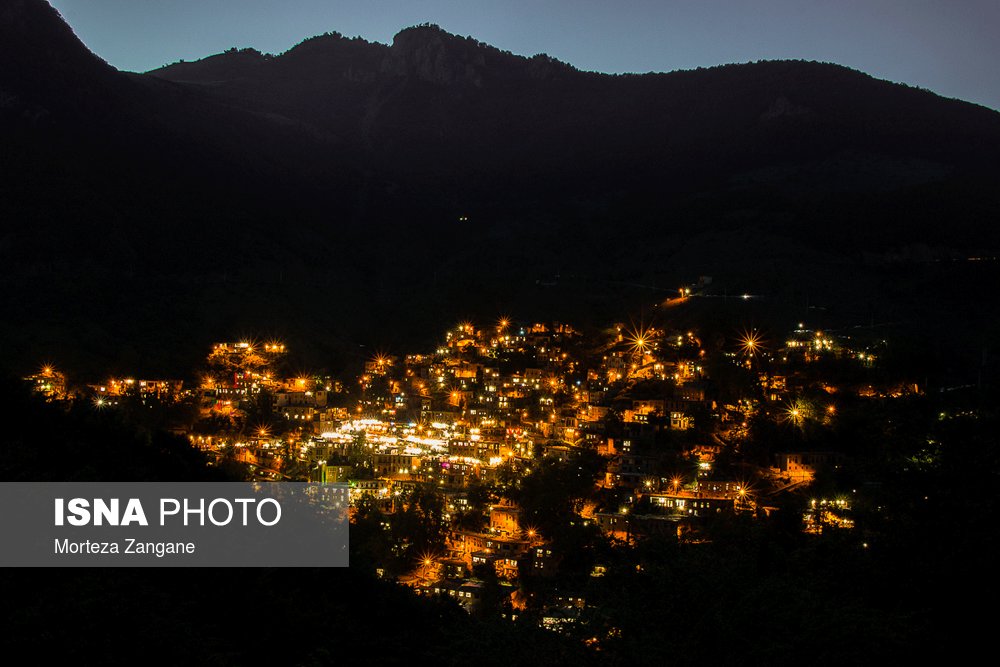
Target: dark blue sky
948	46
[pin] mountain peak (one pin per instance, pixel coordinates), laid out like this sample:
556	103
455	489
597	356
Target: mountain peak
435	55
430	53
426	31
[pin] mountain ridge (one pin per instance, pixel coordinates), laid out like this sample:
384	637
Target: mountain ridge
432	84
417	37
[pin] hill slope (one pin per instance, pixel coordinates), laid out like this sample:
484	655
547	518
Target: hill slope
437	178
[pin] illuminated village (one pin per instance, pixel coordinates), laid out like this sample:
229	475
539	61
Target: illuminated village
516	462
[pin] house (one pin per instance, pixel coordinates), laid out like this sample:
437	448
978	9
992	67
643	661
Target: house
802	466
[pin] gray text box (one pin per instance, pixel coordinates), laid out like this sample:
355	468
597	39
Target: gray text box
234	524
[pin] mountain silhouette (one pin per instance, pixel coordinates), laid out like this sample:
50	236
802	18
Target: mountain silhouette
469	103
440	177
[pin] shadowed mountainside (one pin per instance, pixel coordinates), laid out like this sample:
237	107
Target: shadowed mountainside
318	194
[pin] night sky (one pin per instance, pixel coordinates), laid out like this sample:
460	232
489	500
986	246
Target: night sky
948	46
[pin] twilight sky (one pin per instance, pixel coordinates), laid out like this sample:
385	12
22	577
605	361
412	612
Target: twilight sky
948	46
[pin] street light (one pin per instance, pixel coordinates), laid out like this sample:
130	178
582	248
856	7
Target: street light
751	342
